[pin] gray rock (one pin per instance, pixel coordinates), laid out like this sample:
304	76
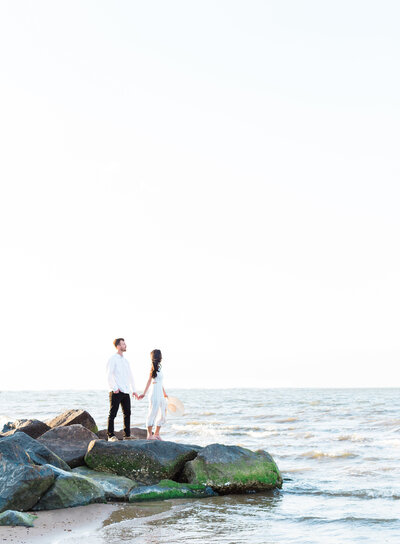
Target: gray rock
32	427
70	489
21	448
146	461
69	443
22	485
232	469
136	434
116	488
22	478
74	417
14	518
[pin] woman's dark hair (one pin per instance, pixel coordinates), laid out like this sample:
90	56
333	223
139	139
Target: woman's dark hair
156	361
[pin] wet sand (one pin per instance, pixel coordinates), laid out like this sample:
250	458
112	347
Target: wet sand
53	526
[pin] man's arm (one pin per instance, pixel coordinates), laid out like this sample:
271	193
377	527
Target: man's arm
110	376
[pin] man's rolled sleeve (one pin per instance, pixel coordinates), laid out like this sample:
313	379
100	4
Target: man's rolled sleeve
110	375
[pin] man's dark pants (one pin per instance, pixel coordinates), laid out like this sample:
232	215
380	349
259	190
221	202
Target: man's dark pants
124	400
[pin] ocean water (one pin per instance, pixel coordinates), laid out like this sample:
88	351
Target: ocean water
338	451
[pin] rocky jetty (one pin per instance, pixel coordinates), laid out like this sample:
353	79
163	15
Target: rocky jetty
35	473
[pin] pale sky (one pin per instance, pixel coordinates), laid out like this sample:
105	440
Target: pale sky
216	179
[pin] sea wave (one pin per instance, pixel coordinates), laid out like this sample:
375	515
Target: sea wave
353	438
262	434
315	454
350	519
3	421
343	493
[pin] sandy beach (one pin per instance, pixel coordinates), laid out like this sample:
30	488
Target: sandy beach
53	526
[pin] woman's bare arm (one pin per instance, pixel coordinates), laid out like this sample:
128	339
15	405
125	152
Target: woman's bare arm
147	384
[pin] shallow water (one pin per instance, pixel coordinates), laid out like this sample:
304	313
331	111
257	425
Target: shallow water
338	451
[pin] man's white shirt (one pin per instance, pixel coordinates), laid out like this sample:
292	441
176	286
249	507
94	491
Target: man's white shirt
119	374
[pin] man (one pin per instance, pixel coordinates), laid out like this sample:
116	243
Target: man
121	383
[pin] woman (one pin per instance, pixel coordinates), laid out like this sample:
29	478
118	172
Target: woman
157	403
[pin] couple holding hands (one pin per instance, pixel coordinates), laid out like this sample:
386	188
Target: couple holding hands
121	383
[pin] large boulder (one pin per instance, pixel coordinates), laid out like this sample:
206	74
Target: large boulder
69	490
146	461
232	469
22	449
74	417
22	478
167	489
21	486
116	488
14	518
136	434
70	443
32	427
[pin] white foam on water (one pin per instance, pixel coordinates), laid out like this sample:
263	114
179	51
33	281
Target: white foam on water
353	438
3	420
315	454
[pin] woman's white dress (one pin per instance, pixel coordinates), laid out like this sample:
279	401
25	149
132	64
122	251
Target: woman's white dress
157	403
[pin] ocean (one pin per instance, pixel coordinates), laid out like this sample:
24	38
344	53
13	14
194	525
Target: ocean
338	451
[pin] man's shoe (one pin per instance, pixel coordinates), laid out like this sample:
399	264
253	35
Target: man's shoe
112	439
128	438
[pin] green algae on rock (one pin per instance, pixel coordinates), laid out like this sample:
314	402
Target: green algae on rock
14	518
232	469
145	461
70	489
168	489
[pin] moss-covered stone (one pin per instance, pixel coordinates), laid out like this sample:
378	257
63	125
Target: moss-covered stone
145	461
168	489
14	518
232	469
70	489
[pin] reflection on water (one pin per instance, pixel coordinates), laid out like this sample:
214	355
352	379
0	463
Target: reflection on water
235	518
127	512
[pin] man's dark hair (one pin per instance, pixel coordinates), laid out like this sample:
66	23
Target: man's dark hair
117	341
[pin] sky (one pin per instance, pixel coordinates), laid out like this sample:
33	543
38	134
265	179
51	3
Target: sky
215	179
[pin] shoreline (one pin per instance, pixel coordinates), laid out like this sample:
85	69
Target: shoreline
65	524
53	526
